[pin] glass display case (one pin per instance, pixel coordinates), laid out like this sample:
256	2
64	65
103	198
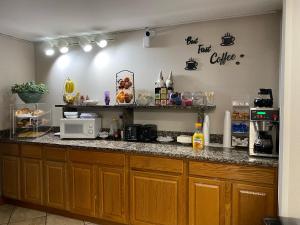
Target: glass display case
30	120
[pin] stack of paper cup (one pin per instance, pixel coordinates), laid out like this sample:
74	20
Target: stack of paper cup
206	132
227	130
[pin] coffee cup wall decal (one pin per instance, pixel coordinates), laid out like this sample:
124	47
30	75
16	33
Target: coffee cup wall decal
227	40
191	64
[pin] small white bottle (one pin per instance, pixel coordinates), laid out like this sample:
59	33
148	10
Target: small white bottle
206	131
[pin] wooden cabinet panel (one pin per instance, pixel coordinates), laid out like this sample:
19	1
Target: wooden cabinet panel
55	184
82	191
11	177
233	172
156	163
31	151
251	204
10	149
103	158
156	199
206	202
32	180
112	194
55	154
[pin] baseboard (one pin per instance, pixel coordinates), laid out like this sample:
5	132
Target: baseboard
2	201
58	212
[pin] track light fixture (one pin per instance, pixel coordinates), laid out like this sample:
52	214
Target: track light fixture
85	42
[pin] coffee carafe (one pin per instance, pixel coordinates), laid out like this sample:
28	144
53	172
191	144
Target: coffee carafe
264	132
264	99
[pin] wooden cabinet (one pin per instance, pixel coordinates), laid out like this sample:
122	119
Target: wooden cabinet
55	178
55	184
32	180
31	173
82	190
112	194
136	189
98	185
252	203
156	195
206	201
155	199
11	177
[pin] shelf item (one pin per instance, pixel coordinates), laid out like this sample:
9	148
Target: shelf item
30	120
125	92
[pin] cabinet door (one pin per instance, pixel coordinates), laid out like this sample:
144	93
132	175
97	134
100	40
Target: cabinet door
206	202
251	204
55	184
11	177
32	180
156	199
112	194
82	197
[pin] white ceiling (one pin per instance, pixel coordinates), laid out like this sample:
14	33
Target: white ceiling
38	19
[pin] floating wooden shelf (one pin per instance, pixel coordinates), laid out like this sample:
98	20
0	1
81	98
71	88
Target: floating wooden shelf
204	108
128	110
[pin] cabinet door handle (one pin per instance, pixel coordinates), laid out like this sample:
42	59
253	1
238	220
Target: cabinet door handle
254	193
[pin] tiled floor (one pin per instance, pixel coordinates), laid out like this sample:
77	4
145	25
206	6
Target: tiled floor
14	215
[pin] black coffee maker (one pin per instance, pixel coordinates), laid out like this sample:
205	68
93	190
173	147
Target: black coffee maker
264	132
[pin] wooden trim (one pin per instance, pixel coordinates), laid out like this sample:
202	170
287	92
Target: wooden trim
156	164
233	172
59	212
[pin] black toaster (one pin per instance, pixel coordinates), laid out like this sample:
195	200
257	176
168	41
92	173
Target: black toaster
139	132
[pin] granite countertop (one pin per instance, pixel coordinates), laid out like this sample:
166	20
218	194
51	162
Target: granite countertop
212	154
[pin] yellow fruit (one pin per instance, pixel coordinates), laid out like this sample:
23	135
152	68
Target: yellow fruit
69	86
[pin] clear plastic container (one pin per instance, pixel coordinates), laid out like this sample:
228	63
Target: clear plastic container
187	98
30	120
199	98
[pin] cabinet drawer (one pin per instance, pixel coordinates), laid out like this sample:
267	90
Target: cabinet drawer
155	163
112	159
55	154
10	149
234	172
31	151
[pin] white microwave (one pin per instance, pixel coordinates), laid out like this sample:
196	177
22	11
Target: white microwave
80	128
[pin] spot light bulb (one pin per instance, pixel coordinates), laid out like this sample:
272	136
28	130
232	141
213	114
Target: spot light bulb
102	43
49	52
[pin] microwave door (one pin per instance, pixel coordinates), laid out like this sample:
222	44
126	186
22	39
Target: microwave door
74	129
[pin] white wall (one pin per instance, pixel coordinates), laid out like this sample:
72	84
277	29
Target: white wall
258	37
16	66
289	167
